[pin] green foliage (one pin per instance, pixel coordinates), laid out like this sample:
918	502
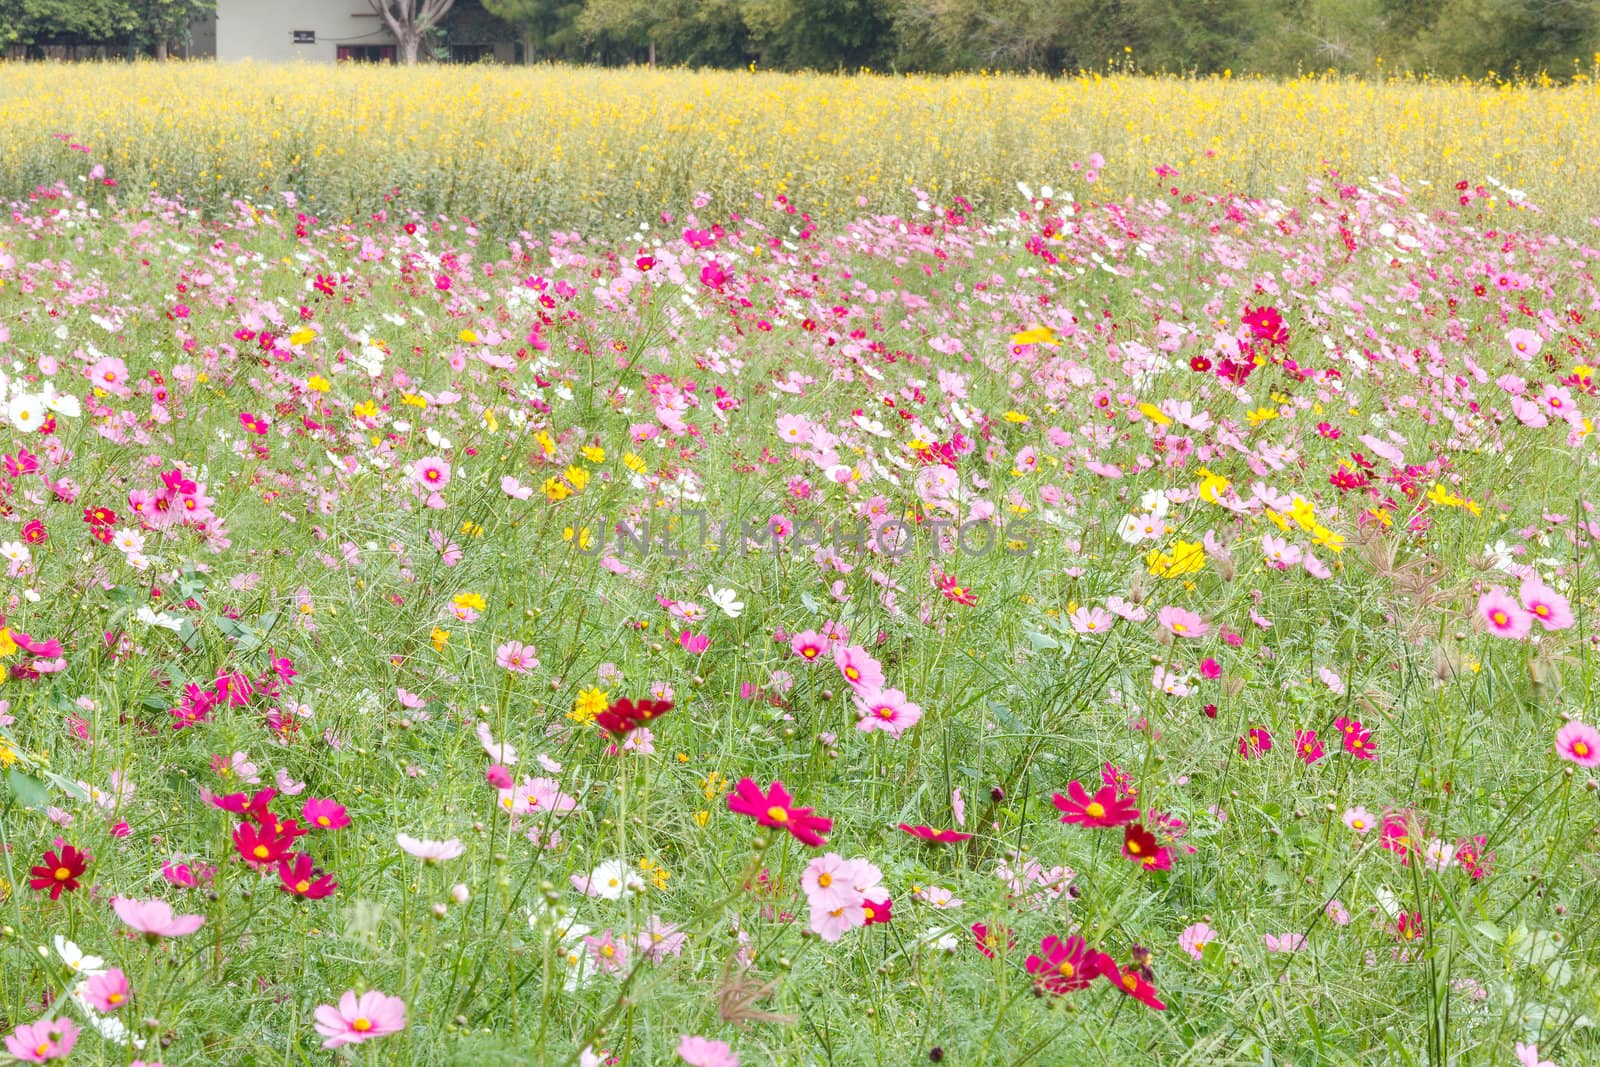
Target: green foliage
142	23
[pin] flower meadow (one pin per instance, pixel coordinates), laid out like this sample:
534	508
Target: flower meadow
1141	627
557	147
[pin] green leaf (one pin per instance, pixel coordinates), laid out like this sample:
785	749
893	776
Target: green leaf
29	791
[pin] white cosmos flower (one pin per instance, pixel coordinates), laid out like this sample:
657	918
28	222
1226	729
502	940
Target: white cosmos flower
27	412
727	600
609	881
76	961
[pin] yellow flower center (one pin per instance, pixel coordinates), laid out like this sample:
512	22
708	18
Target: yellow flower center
1095	810
261	852
825	880
323	821
302	886
114	998
852	674
777	814
1067	968
1130	981
1498	617
1579	748
62	873
361	1025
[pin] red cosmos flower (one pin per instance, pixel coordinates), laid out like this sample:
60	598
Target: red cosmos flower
1133	981
60	871
1307	747
773	808
260	847
954	590
1105	808
624	716
988	941
99	516
1139	845
1062	966
257	426
298	877
1267	324
878	911
928	833
1408	927
34	533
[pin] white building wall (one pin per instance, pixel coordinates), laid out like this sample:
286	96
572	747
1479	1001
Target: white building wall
264	29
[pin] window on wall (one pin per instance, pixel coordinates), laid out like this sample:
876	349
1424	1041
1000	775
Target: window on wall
305	36
366	53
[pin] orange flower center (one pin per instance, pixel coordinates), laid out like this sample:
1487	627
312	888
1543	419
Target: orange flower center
361	1025
1067	968
825	880
63	873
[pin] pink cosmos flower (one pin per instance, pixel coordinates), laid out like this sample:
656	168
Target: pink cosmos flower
1579	743
1284	942
1091	620
516	657
699	1051
1503	616
1180	622
1549	608
430	851
858	668
431	472
1528	1056
154	918
829	881
1195	938
43	1041
660	939
885	709
108	991
808	645
355	1020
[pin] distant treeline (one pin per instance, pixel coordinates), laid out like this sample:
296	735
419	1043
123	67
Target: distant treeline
1445	37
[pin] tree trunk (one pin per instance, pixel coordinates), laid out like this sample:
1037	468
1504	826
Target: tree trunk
161	48
652	54
410	39
527	49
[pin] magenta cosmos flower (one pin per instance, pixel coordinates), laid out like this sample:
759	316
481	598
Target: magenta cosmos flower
774	807
699	1051
359	1019
108	991
43	1041
154	918
1580	743
1503	616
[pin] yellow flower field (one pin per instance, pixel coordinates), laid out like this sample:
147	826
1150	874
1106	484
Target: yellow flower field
553	145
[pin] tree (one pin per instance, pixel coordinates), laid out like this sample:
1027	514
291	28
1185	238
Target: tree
164	22
547	27
408	20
